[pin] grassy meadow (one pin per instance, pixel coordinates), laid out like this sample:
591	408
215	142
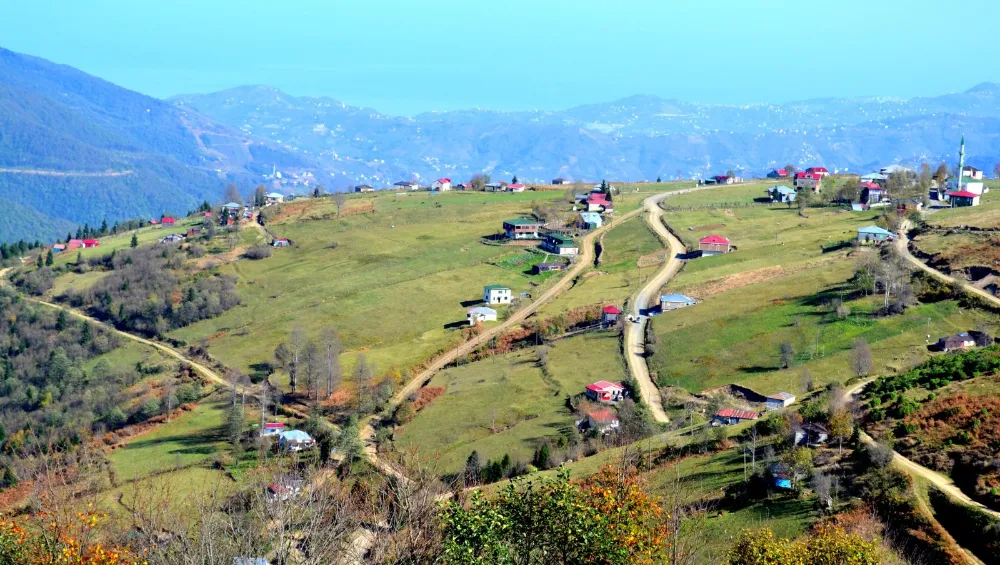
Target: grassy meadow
773	289
507	404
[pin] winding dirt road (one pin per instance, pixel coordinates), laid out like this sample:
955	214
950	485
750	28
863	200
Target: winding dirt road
902	245
635	347
583	261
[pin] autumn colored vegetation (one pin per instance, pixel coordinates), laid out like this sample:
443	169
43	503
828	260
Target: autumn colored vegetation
49	541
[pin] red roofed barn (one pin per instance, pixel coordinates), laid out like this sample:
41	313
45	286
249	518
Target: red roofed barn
604	391
609	314
728	416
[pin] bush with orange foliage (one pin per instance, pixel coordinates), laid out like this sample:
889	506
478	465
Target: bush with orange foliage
46	541
426	396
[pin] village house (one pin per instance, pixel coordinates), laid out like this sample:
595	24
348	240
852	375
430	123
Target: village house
522	228
956	342
494	187
407	185
172	238
285	488
442	184
967	184
810	433
779	400
714	245
730	416
295	440
363	188
516	187
972	173
154	222
675	301
233	207
809	181
605	391
589	220
281	242
781	193
168	221
497	294
874	235
777	174
962	198
481	314
872	193
59	247
272	198
88	243
877	178
724	179
598	202
821	171
272	429
610	314
560	245
894	170
547	267
74	244
603	421
559	181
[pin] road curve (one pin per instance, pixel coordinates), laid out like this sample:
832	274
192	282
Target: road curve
942	482
635	334
584	259
902	245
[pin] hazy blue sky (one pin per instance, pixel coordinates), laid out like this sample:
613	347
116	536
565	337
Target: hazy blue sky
408	56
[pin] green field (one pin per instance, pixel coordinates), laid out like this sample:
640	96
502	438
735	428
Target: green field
189	439
396	282
771	289
506	404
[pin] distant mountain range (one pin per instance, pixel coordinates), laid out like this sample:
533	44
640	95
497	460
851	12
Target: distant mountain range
75	148
641	137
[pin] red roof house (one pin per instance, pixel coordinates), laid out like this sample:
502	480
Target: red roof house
91	243
516	187
728	416
74	244
713	245
777	173
821	171
609	314
603	420
154	222
807	180
272	429
168	221
604	391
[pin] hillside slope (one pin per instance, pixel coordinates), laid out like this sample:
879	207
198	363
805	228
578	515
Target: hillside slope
75	148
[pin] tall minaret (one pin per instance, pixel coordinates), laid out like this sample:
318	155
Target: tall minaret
961	163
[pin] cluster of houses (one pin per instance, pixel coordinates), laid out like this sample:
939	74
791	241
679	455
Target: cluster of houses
291	441
731	416
531	229
721	179
75	244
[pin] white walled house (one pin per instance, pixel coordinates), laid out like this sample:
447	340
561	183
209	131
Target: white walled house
441	184
481	314
497	294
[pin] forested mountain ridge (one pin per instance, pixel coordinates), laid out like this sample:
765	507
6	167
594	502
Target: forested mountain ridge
76	149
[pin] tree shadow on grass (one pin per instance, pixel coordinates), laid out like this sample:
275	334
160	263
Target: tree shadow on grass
755	369
456	325
468	303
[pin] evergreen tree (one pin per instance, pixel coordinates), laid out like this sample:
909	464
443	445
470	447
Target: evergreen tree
69	236
135	241
658	179
512	181
49	259
104	227
473	469
41	262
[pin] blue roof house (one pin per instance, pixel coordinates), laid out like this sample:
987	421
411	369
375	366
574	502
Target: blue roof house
590	220
874	235
781	193
675	301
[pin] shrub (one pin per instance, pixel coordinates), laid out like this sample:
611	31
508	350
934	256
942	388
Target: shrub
148	409
187	393
258	252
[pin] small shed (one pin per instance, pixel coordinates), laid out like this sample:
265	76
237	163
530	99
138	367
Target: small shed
675	301
610	314
781	193
281	242
962	198
874	235
779	400
481	314
559	181
547	267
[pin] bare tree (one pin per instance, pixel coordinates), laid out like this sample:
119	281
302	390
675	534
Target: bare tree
339	200
479	181
786	354
332	348
231	194
862	363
